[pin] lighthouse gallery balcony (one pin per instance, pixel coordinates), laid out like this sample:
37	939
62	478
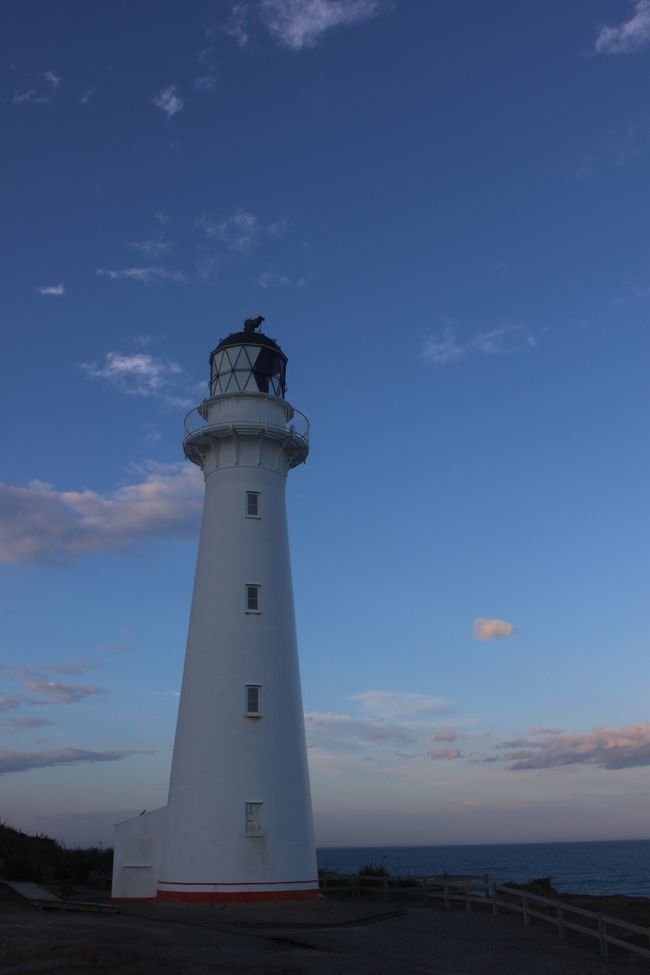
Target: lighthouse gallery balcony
253	415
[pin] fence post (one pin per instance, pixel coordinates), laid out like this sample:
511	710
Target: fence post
524	905
446	893
385	888
423	880
560	921
468	899
495	900
486	886
602	934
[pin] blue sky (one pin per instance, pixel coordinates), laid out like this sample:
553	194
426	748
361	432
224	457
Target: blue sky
442	210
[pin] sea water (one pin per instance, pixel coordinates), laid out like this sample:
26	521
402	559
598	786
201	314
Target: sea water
612	867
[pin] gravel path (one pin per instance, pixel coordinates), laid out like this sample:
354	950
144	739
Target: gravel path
335	938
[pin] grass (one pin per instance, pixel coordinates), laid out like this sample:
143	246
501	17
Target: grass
43	859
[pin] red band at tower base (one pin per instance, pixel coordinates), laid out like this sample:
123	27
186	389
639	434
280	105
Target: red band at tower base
224	897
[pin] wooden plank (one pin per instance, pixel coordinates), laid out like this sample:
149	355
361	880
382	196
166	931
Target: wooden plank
30	891
628	945
617	922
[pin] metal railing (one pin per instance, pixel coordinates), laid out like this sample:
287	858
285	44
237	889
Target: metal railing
234	411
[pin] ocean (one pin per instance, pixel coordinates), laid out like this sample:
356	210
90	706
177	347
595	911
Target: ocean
613	867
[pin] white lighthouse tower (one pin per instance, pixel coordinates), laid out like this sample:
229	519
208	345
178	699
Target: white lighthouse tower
238	824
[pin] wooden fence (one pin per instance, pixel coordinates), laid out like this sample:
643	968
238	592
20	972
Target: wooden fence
458	887
555	912
476	889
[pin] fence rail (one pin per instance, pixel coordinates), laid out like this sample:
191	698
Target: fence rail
467	888
556	914
476	889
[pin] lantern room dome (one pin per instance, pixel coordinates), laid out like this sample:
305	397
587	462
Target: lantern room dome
248	362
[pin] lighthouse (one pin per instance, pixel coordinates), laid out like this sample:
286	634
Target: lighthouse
238	823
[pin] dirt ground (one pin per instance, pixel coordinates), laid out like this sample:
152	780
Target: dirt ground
333	935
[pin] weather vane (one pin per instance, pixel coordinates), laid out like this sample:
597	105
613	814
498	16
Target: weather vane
252	324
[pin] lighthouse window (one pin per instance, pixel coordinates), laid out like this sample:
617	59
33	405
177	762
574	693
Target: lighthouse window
252	598
253	700
254	825
252	504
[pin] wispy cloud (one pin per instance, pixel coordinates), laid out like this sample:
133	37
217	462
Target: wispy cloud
58	693
278	228
81	667
23	761
384	740
491	629
205	82
297	24
35	681
610	748
630	36
236	26
399	703
168	101
267	279
53	79
41	524
10	702
150	250
26	723
240	232
138	374
150	274
445	347
51	289
444	754
86	95
30	97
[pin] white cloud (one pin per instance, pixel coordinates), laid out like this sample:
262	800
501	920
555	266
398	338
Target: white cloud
86	95
629	36
236	26
300	23
168	101
22	761
31	97
240	232
51	289
491	629
139	374
53	79
145	275
445	347
269	278
41	524
150	250
610	748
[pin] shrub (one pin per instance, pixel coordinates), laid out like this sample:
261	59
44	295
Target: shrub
373	870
